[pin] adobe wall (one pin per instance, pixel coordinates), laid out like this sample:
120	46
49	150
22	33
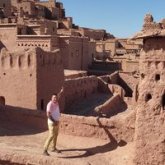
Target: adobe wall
75	53
18	78
88	51
79	88
50	76
130	65
32	41
64	47
118	128
91	33
105	48
71	74
6	5
112	106
150	118
157	43
8	34
126	81
77	49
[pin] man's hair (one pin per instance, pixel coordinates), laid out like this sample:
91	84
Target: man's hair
54	94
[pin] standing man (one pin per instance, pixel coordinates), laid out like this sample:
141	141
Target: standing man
53	114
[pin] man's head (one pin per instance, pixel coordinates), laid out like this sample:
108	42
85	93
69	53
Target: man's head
54	98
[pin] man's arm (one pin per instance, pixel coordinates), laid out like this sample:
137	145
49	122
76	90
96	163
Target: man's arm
50	116
60	93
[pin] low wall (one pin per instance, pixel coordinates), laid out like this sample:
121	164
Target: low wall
120	127
79	88
112	106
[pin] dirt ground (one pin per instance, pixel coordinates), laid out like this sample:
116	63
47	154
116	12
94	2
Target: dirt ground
24	145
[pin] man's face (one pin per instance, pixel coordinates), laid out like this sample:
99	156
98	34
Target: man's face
54	98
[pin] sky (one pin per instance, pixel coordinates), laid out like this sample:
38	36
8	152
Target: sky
122	18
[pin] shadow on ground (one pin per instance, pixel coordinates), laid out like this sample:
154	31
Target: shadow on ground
15	121
110	146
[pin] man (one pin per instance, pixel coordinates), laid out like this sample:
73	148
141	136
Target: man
53	114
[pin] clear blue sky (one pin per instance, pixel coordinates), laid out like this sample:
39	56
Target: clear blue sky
122	18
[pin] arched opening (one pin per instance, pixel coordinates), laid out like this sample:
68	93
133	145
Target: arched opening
148	97
2	100
42	104
163	101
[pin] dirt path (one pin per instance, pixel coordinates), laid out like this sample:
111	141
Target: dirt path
23	145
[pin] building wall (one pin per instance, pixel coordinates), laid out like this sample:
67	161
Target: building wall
32	41
8	34
105	49
50	76
18	78
75	52
130	65
89	54
92	34
64	47
6	5
149	135
29	79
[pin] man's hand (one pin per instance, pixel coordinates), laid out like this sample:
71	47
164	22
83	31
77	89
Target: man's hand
56	123
62	89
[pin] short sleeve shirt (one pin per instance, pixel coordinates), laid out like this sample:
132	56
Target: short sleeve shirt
54	110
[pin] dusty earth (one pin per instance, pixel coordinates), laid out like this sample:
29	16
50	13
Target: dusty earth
20	144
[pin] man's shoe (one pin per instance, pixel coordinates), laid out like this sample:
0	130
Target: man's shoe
56	150
46	153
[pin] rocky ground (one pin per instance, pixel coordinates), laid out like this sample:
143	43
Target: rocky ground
20	144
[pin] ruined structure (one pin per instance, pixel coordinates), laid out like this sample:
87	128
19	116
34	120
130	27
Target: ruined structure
150	95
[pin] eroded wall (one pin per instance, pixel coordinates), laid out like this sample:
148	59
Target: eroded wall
150	117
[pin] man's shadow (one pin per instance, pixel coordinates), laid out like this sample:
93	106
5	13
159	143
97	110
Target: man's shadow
111	145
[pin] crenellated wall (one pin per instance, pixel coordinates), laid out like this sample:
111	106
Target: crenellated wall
18	77
34	70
